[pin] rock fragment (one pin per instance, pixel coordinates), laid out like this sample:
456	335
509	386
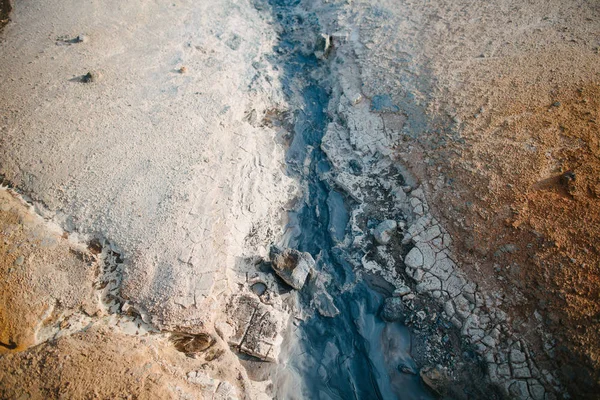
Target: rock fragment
91	76
292	266
383	232
393	309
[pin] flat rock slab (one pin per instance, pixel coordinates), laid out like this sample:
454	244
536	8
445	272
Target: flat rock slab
256	327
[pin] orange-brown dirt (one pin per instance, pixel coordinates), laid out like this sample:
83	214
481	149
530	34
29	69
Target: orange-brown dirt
96	364
522	197
43	276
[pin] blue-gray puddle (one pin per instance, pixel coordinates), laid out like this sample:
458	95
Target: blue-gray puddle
355	354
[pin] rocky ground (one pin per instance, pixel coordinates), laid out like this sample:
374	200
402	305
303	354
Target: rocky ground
462	185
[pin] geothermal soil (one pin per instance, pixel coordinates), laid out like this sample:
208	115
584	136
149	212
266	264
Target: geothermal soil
146	146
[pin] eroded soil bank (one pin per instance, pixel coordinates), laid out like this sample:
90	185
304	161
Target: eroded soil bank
434	165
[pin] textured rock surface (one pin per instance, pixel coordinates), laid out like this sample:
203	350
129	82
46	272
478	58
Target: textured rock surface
256	327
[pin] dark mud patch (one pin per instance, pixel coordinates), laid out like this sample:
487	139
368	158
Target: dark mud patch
5	9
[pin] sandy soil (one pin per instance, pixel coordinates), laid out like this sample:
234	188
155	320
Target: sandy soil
55	275
101	363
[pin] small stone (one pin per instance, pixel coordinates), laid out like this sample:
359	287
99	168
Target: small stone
449	309
393	309
518	390
81	39
489	341
435	378
383	231
92	76
407	369
183	70
19	261
523	372
429	284
401	291
504	370
414	258
536	390
225	391
567	177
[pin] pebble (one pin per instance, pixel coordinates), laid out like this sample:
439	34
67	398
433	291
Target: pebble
19	261
92	76
401	291
393	309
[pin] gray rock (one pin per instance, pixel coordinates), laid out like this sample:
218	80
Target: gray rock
225	391
321	298
504	370
393	309
292	266
522	372
81	39
429	284
462	306
92	76
536	390
489	341
428	255
383	231
435	378
449	309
